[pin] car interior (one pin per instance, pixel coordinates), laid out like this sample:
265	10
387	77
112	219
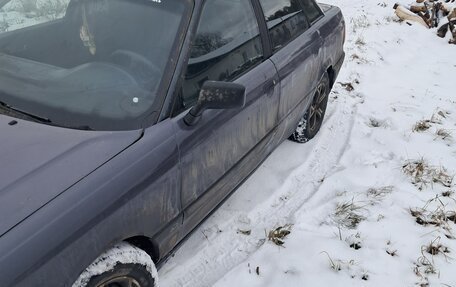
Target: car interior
96	52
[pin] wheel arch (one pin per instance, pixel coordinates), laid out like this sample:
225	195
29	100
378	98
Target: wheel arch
332	76
146	244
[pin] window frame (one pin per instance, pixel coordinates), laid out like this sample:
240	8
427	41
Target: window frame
315	4
310	24
176	103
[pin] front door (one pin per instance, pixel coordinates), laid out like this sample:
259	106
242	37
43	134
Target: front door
215	152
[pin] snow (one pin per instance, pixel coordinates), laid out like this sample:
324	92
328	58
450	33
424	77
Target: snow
122	253
348	186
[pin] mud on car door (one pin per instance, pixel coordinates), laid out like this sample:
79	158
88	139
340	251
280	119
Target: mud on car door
216	152
294	43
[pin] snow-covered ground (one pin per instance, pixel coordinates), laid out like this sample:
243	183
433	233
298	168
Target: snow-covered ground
351	198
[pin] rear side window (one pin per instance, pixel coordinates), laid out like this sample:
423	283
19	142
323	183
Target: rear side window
226	45
285	19
311	10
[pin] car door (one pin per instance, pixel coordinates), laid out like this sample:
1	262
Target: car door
225	145
295	44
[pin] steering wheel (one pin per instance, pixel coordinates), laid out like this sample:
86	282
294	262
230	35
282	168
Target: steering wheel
143	70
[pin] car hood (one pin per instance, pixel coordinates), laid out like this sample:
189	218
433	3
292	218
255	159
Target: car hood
39	162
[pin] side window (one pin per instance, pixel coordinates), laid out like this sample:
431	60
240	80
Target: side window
285	20
226	45
311	10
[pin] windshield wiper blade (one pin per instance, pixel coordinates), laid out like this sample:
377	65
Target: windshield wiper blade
19	111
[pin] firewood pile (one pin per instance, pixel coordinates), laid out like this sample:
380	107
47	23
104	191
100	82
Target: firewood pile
431	14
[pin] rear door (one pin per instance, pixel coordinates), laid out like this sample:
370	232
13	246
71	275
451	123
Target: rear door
295	46
216	153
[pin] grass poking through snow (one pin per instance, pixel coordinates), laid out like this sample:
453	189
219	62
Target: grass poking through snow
278	235
423	174
349	214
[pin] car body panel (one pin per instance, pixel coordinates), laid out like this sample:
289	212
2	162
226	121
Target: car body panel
222	138
100	210
50	160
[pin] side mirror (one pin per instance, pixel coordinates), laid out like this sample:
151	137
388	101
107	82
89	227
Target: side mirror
216	95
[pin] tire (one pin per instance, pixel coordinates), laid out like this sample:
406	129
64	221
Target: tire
309	125
122	265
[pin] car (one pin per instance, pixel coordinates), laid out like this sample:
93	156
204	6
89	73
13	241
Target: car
125	123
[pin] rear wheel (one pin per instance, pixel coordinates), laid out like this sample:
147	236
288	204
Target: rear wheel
122	266
311	122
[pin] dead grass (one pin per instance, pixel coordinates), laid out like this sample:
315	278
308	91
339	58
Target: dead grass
349	214
424	266
448	193
374	123
360	41
278	234
335	265
380	192
423	174
422	126
443	134
354	241
440	217
436	248
391	252
439	116
244	232
348	86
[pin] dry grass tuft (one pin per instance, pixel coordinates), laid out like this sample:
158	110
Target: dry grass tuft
335	265
436	248
424	266
348	86
423	174
244	232
422	126
348	214
374	123
392	253
380	192
360	42
448	193
278	235
354	241
440	217
443	134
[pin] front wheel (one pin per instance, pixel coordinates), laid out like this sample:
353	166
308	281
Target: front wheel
124	265
311	122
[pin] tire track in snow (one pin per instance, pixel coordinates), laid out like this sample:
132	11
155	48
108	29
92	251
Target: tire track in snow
215	247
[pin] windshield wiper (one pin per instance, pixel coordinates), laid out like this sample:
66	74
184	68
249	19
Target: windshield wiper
13	110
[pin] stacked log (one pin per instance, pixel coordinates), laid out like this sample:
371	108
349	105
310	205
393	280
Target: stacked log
431	14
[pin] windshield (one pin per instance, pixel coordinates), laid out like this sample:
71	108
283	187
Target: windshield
93	64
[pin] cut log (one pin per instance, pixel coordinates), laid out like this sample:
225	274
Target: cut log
418	9
405	14
452	15
442	31
452	26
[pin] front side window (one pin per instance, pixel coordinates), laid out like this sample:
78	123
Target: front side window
93	64
285	20
311	10
226	45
